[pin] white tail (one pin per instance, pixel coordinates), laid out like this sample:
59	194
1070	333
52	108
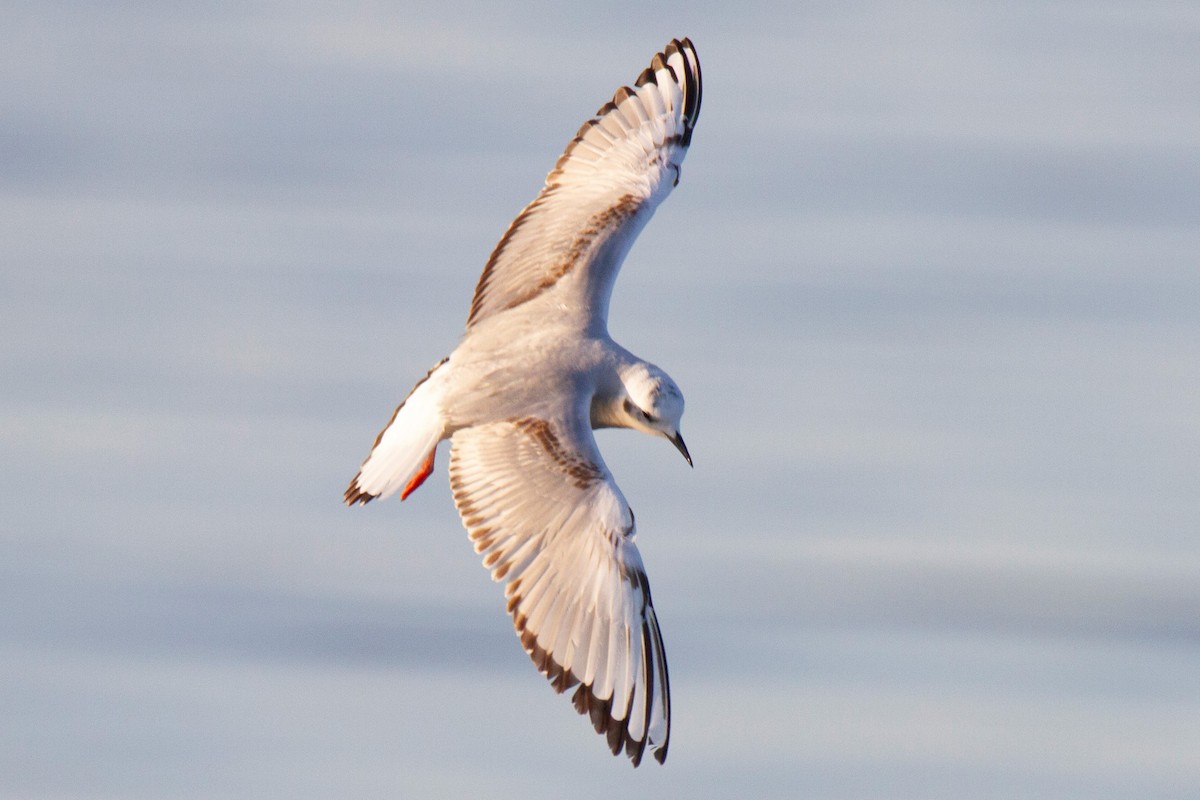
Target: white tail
402	457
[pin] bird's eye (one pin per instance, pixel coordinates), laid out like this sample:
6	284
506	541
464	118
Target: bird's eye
637	413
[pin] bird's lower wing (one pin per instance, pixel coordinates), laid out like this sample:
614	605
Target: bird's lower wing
545	514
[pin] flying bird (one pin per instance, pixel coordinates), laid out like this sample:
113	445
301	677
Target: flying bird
534	373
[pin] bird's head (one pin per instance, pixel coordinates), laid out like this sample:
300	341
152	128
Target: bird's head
653	404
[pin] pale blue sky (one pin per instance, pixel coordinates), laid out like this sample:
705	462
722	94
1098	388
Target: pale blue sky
929	284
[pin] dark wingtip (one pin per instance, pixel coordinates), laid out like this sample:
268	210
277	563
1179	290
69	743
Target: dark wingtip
692	80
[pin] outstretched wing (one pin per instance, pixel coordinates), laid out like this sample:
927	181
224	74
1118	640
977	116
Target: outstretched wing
621	164
544	512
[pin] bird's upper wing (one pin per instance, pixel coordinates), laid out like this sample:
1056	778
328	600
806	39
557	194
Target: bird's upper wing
621	164
544	512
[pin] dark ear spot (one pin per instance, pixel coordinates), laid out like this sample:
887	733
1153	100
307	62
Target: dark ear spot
637	413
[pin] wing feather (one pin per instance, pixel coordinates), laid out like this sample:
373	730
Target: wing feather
545	514
603	189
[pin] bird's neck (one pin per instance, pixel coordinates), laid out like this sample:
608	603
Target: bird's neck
607	409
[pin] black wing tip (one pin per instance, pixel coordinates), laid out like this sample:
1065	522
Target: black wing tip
615	731
691	85
691	81
616	734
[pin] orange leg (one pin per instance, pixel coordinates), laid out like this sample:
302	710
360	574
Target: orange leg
421	475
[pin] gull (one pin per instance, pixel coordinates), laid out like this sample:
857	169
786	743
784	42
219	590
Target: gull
534	373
